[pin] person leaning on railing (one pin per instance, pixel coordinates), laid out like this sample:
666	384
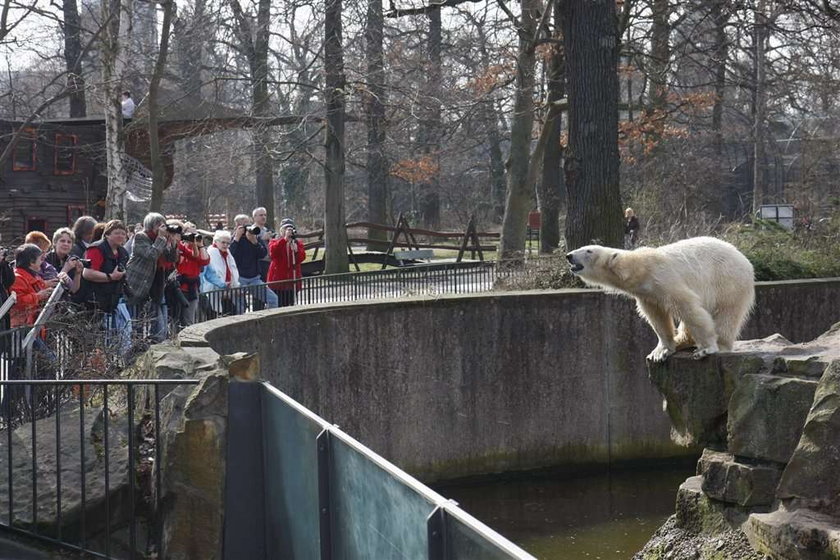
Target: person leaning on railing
287	254
29	288
193	258
221	272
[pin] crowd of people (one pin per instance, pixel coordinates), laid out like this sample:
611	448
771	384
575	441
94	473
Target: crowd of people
161	270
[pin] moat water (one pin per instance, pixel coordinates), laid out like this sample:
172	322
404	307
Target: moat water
608	516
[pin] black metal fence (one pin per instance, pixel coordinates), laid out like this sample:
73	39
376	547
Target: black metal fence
430	279
73	444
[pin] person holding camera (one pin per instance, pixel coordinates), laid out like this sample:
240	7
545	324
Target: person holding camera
105	270
193	259
247	251
287	254
260	216
155	252
60	258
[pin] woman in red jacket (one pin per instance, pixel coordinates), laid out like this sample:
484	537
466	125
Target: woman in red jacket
193	258
29	288
287	253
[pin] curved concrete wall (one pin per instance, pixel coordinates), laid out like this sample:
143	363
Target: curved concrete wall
466	385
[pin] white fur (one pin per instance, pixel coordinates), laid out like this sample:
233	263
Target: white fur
705	283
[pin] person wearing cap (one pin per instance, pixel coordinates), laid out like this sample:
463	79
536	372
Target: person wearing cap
287	254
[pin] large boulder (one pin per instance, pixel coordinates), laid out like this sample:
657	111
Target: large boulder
770	412
735	482
812	477
766	415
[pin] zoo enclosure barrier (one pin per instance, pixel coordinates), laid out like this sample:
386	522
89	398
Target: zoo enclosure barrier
72	444
428	279
301	488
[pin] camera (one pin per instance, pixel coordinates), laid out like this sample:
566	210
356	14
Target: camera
174	228
190	237
85	262
8	255
253	229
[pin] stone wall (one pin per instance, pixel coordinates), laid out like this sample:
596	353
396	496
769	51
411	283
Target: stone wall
467	385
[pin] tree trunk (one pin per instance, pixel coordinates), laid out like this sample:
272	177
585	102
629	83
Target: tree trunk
158	171
660	53
551	188
520	190
591	160
760	111
720	17
73	59
111	80
335	231
377	164
497	164
259	93
490	118
430	128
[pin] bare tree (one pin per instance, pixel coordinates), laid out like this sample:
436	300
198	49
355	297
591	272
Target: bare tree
254	43
519	189
551	188
335	233
590	37
377	163
158	172
113	36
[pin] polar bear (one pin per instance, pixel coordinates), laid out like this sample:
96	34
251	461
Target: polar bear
705	283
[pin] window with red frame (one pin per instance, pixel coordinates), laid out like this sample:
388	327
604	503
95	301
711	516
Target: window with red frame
65	154
23	155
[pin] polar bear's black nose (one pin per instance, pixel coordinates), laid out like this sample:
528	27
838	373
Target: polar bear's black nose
569	257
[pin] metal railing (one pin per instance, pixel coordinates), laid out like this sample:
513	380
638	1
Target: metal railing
429	279
301	488
72	440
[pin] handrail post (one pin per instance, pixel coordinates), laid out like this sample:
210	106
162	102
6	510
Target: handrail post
324	498
436	530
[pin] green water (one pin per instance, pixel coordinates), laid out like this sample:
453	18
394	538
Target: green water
605	516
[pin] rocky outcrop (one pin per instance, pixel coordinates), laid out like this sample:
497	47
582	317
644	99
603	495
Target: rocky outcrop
769	416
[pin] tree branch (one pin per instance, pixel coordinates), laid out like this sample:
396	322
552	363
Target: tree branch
395	12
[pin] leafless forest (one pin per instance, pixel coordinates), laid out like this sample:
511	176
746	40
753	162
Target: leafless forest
694	113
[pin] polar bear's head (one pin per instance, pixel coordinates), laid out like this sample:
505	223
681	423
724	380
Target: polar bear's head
594	264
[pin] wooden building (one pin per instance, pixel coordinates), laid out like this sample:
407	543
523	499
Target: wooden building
54	175
56	171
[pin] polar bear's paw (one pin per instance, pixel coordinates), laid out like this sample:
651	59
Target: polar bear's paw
701	353
660	353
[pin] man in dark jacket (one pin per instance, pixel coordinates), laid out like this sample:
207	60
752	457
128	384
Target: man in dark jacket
247	251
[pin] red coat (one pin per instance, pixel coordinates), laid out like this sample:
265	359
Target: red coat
285	262
190	264
27	307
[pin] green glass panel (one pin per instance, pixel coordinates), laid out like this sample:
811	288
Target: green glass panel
291	481
463	542
374	514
